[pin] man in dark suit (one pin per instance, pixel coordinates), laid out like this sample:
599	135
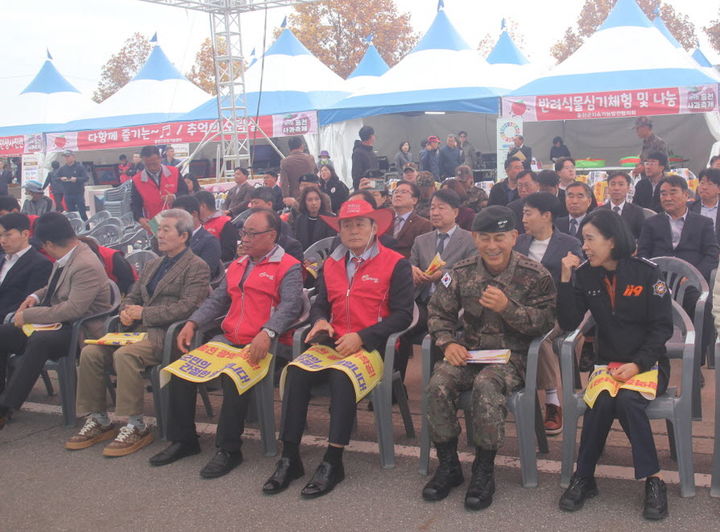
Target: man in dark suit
522	152
677	232
708	192
527	183
578	198
546	245
202	243
632	215
453	244
506	191
647	190
407	224
550	182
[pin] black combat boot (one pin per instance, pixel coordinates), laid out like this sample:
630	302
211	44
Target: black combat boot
656	505
482	484
447	476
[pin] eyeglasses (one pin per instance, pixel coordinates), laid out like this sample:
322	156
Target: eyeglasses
252	234
399	191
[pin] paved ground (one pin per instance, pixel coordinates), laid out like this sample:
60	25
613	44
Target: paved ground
44	487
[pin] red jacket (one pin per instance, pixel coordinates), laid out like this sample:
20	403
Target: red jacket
365	301
215	225
107	255
151	193
251	306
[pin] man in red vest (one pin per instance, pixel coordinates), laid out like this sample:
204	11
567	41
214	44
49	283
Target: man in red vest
154	188
261	297
365	294
218	224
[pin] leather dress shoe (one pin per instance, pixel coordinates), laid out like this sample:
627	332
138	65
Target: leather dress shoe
174	452
656	505
221	464
326	477
577	492
286	471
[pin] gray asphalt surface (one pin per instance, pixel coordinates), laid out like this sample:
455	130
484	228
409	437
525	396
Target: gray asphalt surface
44	487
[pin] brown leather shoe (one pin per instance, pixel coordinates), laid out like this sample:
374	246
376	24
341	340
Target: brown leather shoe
553	419
128	440
91	433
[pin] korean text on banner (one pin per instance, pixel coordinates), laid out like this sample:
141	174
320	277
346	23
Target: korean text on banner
214	358
364	369
601	380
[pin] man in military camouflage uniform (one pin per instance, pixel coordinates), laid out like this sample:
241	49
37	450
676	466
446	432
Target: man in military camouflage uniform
507	300
650	141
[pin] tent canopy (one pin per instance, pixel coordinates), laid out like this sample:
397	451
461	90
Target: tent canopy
287	79
48	99
442	73
367	71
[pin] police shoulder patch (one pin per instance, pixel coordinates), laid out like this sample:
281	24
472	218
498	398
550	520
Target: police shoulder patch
446	279
660	289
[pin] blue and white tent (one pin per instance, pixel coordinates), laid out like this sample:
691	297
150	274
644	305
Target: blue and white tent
288	78
700	59
509	64
627	52
442	73
157	93
48	99
367	71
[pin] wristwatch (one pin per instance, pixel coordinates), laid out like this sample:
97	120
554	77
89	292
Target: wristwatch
272	334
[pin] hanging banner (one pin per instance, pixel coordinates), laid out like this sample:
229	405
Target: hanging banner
178	132
507	129
19	144
615	104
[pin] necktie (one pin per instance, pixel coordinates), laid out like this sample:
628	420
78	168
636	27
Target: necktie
442	237
616	209
573	227
398	226
51	288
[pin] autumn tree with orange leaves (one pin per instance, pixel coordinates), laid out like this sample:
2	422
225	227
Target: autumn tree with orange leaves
122	66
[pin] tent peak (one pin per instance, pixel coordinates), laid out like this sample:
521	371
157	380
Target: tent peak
625	13
49	80
287	44
158	67
372	64
505	51
441	35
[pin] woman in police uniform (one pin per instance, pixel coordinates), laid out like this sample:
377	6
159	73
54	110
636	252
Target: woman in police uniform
632	308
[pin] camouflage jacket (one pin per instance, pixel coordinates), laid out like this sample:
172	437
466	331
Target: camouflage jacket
530	312
476	198
651	144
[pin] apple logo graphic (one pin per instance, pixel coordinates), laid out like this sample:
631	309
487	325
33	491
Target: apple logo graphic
518	108
60	142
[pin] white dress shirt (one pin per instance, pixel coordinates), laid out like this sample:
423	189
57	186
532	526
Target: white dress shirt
10	261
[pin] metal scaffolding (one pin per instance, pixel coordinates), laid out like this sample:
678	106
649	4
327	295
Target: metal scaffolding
234	121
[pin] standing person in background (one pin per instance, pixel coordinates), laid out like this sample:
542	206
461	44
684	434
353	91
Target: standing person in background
430	157
297	163
469	152
6	177
451	156
53	181
73	177
238	197
558	149
169	157
522	152
363	156
403	156
38	203
650	141
270	180
331	185
506	190
123	168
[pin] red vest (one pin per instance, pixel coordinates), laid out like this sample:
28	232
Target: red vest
107	255
214	226
365	301
251	306
151	194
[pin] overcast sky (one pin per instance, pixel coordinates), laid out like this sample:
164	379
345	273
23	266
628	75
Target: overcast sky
82	34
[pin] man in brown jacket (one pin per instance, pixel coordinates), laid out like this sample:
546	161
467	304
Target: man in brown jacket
78	287
238	197
169	289
297	163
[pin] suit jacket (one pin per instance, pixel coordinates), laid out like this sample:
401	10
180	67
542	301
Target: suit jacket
696	207
82	289
413	227
207	247
177	295
645	197
458	247
237	198
558	247
698	244
526	151
563	207
562	224
632	215
30	273
516	206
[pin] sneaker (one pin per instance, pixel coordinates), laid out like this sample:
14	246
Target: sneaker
129	440
553	419
579	490
91	433
656	505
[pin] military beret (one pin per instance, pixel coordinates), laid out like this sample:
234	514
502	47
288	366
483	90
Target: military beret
495	219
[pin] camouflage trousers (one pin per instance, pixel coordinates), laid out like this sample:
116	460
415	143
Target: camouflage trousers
490	385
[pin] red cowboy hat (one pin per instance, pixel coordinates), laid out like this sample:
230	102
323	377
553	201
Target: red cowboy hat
360	209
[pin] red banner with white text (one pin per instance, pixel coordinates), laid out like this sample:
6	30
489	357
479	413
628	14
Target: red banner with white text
20	144
615	104
173	132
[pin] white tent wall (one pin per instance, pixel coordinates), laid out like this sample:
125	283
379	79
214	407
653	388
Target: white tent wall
338	139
